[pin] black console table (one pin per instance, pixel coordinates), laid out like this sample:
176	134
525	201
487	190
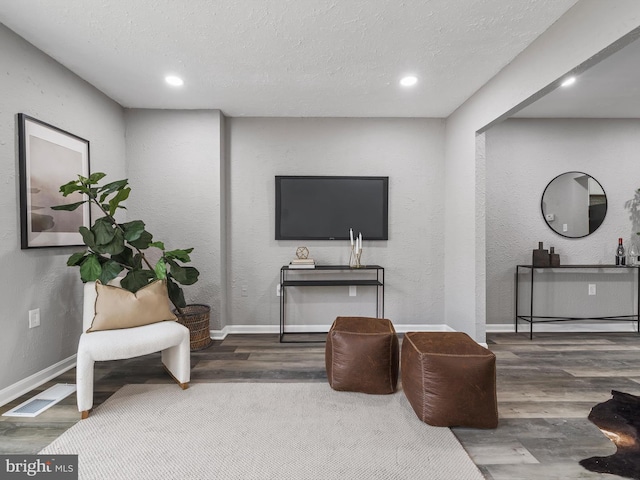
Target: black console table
531	318
329	276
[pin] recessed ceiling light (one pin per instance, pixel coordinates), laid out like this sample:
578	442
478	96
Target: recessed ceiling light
174	81
569	81
409	81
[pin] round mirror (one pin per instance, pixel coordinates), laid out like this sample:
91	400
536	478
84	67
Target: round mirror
574	204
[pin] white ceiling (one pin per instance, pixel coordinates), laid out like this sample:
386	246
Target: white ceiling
285	57
609	89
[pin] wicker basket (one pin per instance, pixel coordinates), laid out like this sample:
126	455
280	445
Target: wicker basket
196	318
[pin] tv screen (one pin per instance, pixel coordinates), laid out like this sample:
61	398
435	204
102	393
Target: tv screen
325	208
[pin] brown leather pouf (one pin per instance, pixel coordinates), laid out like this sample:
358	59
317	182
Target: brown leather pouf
361	355
449	379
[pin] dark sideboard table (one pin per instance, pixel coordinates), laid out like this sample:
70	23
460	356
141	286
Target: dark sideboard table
329	276
531	318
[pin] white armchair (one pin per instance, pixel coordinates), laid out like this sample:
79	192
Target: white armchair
169	337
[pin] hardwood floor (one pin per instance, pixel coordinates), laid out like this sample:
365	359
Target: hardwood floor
546	388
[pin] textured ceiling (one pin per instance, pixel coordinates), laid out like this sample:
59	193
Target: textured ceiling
609	89
285	57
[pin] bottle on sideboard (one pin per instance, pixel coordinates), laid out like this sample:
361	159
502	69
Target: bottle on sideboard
620	257
633	255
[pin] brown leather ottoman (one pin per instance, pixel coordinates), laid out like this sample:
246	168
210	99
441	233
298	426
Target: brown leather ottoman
361	355
449	379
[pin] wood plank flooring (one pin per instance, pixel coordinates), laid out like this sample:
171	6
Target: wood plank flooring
546	388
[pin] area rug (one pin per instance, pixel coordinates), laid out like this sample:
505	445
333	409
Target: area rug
619	419
262	431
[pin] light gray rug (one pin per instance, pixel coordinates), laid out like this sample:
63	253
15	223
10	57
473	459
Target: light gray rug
262	431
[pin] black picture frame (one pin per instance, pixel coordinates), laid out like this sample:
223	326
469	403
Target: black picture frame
49	157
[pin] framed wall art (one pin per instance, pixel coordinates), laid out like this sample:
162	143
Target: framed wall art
48	158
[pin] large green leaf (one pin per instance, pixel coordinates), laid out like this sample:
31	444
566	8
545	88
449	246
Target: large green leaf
96	177
109	188
125	257
176	295
136	279
70	207
115	185
137	261
133	230
110	270
121	196
90	269
183	275
103	230
182	255
69	188
76	259
88	237
115	246
143	242
161	269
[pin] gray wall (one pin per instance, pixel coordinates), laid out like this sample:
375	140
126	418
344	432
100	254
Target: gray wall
32	83
409	151
180	155
523	155
175	169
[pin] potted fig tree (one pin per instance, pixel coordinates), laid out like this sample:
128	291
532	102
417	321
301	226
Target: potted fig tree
114	248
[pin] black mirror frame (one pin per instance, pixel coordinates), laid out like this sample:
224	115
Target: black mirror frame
606	206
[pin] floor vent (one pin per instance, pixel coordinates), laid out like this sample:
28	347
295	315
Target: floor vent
41	402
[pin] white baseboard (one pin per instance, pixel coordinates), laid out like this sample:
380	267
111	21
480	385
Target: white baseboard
240	329
252	329
404	328
34	381
422	328
573	327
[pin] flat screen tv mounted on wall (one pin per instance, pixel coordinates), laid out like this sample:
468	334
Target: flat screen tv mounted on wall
325	208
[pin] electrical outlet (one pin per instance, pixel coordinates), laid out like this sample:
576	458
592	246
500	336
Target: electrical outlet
244	292
34	318
352	291
592	289
565	227
278	290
